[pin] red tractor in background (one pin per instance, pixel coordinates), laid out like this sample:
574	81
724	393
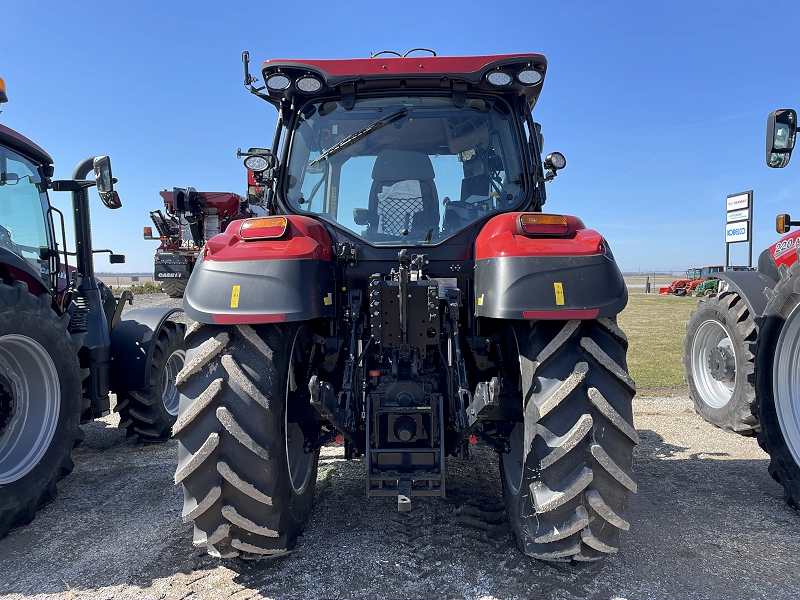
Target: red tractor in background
683	287
406	294
742	345
191	219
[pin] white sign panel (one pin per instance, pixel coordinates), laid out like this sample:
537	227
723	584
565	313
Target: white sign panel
738	215
737	232
737	202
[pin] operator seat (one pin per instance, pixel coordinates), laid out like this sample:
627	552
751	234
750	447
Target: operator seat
388	216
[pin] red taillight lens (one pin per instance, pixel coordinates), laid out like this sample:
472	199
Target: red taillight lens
541	224
263	228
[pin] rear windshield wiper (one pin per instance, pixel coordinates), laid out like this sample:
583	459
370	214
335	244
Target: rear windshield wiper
352	139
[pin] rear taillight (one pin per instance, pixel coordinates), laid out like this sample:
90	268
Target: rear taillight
542	224
263	228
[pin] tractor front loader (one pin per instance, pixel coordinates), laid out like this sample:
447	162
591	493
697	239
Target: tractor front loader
64	342
406	294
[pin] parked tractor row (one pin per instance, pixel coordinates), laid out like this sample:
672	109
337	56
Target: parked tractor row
399	290
742	344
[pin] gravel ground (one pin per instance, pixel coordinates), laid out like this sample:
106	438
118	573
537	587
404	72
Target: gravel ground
708	522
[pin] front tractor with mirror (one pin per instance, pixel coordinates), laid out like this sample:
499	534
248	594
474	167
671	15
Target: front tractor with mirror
64	342
742	344
405	294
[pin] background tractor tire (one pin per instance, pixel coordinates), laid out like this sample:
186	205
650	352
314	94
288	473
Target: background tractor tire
568	476
248	486
777	380
150	413
718	362
41	403
173	289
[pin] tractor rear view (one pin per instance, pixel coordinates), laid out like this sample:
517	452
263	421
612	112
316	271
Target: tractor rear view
742	345
191	219
407	295
64	342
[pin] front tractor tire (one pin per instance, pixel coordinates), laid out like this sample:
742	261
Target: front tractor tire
150	413
248	484
567	478
778	384
173	289
718	361
40	403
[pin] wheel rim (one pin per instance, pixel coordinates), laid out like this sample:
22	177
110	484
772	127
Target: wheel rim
33	393
710	335
169	391
299	462
786	383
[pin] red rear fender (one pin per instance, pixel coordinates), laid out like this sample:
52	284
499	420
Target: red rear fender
304	238
502	236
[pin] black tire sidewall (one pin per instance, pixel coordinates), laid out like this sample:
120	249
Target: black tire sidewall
784	305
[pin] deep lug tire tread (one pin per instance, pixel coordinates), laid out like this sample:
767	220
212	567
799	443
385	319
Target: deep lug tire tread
577	471
737	415
230	438
173	289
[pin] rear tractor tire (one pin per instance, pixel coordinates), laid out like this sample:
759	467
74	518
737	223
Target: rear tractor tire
150	413
778	384
568	476
173	289
718	361
40	403
248	485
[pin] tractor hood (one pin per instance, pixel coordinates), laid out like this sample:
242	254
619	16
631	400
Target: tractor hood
298	80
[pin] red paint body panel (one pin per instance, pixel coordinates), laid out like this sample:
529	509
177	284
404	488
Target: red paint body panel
388	65
589	313
501	237
784	251
35	286
226	203
304	238
244	319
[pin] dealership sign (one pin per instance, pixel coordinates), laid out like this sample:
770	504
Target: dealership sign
738	222
738	201
738	215
736	232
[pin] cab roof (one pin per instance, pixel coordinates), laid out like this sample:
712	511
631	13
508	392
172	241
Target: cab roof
19	143
383	73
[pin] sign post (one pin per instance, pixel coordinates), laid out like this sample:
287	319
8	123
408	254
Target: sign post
739	224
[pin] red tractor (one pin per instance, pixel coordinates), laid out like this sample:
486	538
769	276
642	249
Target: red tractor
682	287
191	219
406	295
65	343
742	345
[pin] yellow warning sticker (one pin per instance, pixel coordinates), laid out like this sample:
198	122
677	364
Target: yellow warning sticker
480	300
235	296
328	300
559	293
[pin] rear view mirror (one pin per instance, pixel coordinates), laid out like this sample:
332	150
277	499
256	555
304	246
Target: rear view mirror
781	134
105	182
116	259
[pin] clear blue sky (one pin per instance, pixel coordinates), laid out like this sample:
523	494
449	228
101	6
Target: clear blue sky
659	107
